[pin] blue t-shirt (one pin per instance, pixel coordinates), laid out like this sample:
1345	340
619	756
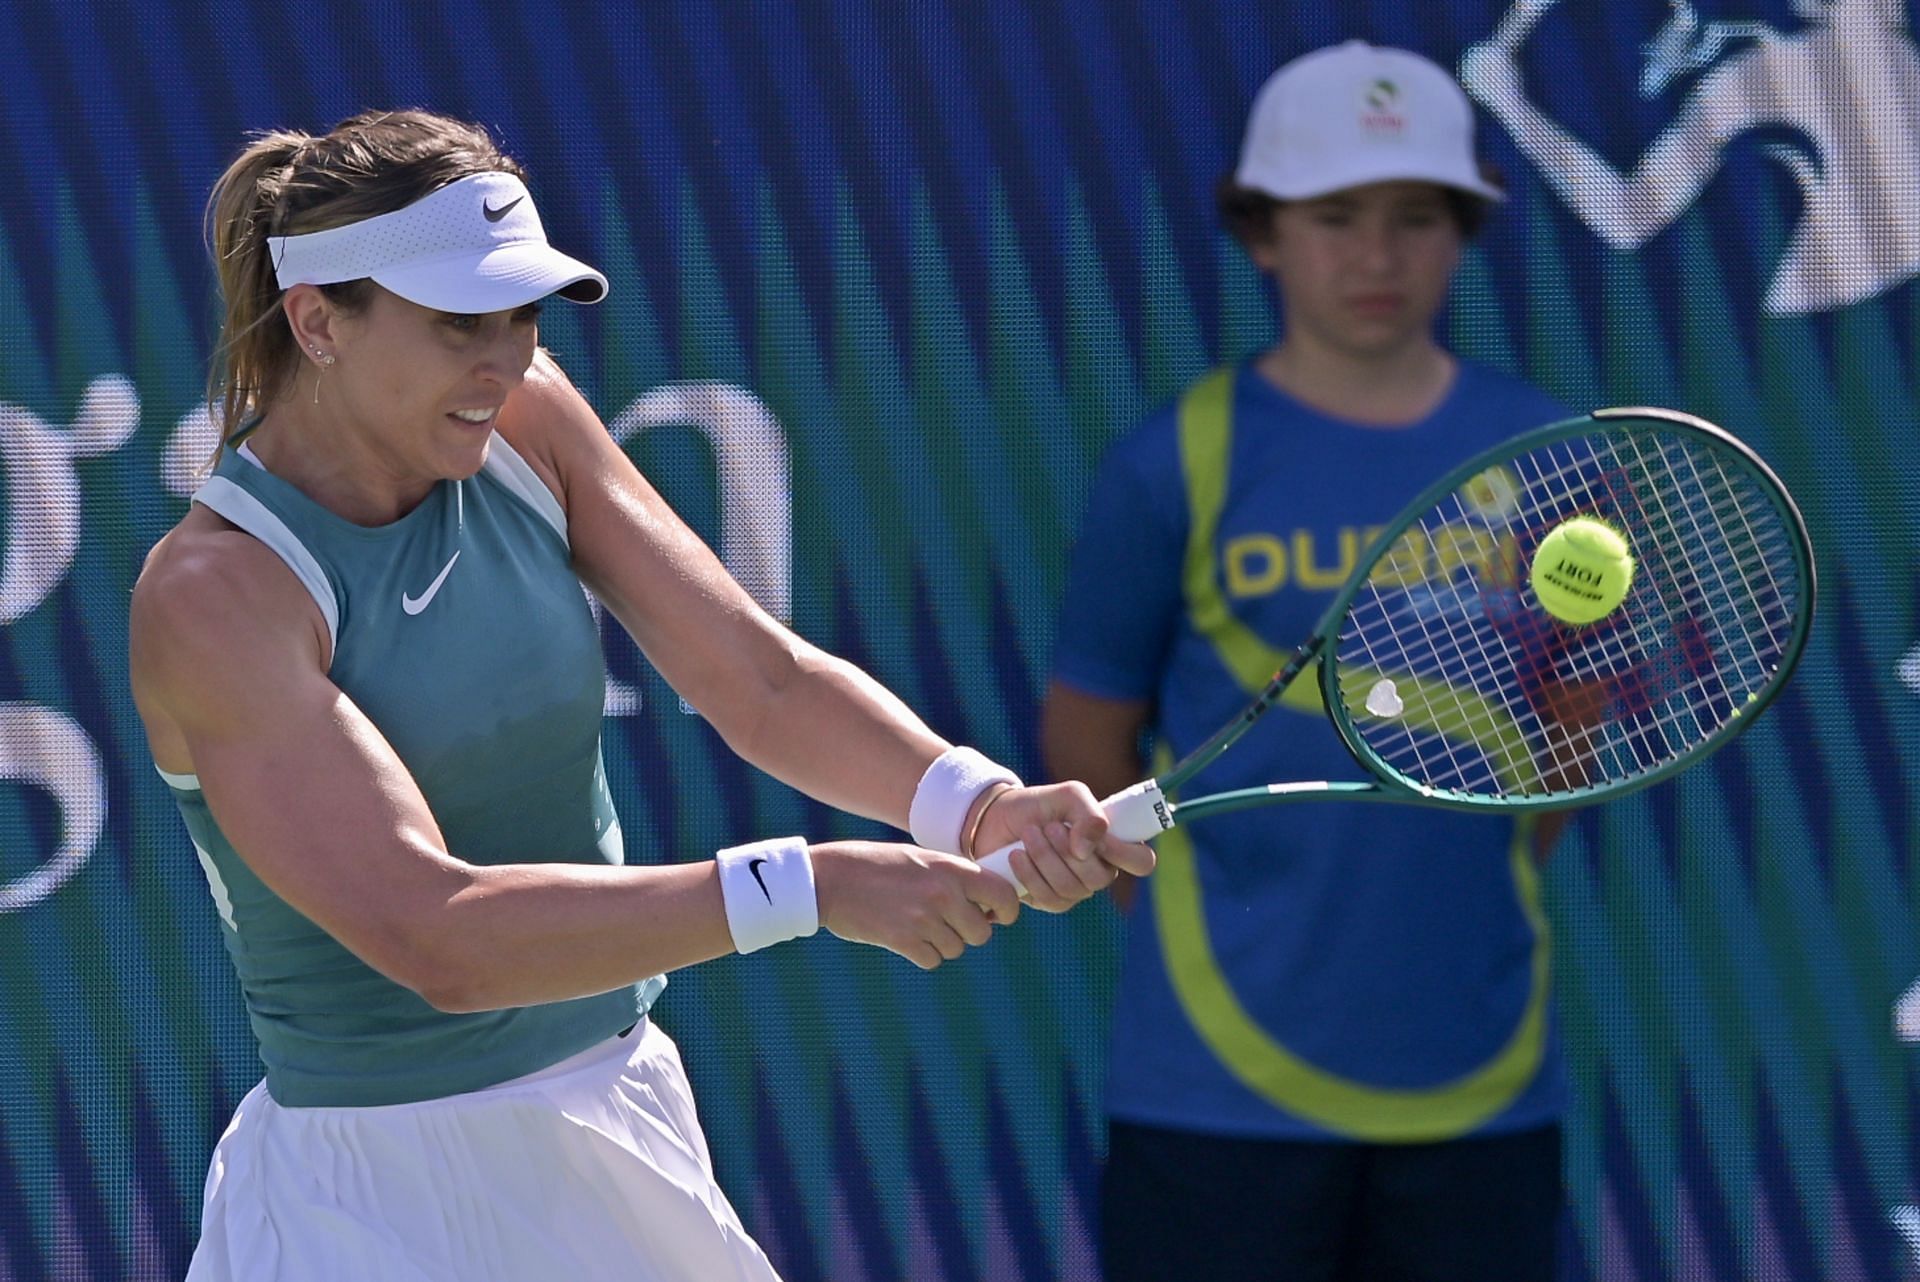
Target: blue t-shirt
1364	971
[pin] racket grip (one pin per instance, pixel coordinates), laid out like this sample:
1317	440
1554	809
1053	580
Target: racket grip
1139	813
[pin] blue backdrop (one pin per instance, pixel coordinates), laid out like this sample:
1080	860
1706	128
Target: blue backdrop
922	263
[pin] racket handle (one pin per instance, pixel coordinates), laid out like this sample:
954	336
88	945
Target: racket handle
1139	813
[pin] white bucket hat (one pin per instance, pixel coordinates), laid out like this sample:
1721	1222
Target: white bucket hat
472	246
1353	114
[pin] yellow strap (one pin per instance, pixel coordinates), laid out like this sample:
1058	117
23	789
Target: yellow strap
1206	444
1347	1107
1247	1050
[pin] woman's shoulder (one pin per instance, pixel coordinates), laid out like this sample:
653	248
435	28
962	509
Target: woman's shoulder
548	422
199	555
208	586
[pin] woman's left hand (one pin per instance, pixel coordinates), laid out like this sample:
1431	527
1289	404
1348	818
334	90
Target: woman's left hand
1066	852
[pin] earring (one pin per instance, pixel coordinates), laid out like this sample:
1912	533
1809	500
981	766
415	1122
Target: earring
326	360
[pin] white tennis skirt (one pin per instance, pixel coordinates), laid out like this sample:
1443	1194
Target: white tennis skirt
592	1169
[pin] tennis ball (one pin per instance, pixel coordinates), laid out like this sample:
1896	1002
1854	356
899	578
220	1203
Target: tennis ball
1582	570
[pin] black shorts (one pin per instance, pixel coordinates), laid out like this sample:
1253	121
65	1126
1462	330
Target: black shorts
1179	1205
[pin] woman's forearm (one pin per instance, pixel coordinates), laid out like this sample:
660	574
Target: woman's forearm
835	733
521	934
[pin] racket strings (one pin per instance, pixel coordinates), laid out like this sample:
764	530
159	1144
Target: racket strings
1493	698
1723	526
1694	528
1677	523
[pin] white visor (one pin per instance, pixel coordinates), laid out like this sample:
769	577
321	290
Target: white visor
473	246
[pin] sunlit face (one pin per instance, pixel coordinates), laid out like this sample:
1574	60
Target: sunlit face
421	388
1363	271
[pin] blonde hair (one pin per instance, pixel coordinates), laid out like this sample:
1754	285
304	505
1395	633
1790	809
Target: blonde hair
286	183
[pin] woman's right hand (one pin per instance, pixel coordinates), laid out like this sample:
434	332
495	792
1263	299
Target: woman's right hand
926	906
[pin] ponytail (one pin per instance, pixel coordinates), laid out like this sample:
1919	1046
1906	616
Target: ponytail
288	183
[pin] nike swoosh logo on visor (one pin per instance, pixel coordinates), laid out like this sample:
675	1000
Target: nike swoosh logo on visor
495	215
412	604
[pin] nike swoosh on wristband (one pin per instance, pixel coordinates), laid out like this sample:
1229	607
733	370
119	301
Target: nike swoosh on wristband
753	866
495	215
413	605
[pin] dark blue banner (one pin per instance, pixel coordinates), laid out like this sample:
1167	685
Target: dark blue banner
887	279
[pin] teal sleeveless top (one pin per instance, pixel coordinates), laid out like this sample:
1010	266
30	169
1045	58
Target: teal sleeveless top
461	631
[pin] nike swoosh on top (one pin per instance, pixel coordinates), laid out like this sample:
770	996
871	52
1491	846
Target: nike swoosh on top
495	215
753	866
413	605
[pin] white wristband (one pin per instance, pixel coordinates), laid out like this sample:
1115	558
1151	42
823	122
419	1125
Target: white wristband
947	792
768	891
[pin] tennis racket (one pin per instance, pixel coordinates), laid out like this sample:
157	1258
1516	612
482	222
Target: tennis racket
1453	686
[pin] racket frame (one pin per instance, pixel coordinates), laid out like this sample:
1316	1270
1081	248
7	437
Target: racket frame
1388	784
1147	809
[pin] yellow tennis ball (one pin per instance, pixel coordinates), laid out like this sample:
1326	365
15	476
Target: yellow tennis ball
1582	570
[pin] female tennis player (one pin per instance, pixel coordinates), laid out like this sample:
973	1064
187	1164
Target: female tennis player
368	671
